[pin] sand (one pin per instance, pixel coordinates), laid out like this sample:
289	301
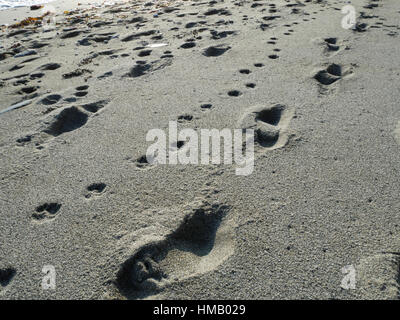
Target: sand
80	93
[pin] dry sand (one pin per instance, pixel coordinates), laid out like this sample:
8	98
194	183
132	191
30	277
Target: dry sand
76	194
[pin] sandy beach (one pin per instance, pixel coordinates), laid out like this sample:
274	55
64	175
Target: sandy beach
83	83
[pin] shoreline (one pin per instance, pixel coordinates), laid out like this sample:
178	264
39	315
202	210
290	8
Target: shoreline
19	5
13	15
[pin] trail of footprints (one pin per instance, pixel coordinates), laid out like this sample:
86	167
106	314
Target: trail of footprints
199	244
155	264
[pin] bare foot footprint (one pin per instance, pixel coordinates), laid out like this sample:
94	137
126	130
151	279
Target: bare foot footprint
201	242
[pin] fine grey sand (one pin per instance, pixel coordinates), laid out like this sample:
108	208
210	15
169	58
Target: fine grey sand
80	93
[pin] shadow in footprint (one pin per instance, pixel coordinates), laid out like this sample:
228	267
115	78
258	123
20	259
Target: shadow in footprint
6	275
94	107
269	124
67	120
46	211
80	94
215	51
96	187
188	45
234	93
206	106
244	71
222	34
271	116
51	99
330	75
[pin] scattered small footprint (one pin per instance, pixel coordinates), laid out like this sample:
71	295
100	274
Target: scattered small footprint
185	117
67	120
95	189
250	85
206	106
46	211
244	71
